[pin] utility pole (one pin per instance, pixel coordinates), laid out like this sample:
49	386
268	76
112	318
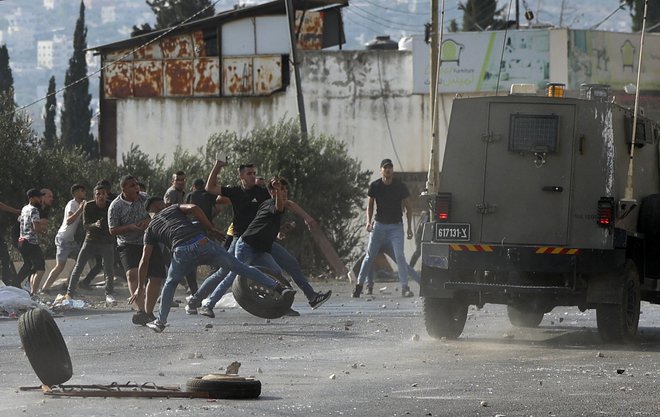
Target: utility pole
291	14
431	186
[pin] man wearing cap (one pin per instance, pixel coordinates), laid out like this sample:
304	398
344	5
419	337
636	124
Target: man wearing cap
31	224
190	247
390	195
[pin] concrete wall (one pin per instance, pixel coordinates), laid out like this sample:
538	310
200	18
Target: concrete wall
357	96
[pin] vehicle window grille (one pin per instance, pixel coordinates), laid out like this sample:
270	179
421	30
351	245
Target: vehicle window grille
534	133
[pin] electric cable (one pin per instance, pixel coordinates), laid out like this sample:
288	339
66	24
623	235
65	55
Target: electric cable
387	119
381	23
363	25
382	18
91	74
394	9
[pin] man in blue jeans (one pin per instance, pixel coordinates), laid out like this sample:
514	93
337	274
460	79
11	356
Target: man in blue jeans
389	194
246	198
190	247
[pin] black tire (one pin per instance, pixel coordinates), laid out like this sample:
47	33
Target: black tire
649	217
225	386
260	300
45	347
444	317
617	323
523	316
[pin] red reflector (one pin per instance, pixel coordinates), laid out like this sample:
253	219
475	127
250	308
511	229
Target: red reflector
442	206
605	211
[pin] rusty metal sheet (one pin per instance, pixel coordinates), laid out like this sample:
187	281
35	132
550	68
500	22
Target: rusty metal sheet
148	52
310	37
118	80
148	78
123	54
199	45
237	76
207	77
267	74
178	77
180	46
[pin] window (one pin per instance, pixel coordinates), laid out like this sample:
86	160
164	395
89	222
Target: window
533	133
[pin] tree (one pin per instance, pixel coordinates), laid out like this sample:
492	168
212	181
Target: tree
76	114
478	14
6	79
50	132
170	12
323	179
637	14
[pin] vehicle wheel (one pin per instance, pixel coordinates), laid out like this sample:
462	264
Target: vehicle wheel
44	346
522	316
223	386
444	317
260	300
618	323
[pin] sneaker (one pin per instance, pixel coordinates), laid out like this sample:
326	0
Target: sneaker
292	313
357	291
151	316
141	318
110	299
194	302
207	311
191	311
156	325
405	292
370	290
319	299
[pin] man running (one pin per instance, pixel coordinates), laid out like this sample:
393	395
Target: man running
190	247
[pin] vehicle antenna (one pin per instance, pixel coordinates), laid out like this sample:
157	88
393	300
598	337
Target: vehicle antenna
629	183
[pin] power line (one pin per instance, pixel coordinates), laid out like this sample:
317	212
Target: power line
363	25
382	18
396	10
88	76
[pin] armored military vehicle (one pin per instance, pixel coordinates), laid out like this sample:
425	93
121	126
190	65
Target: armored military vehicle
533	211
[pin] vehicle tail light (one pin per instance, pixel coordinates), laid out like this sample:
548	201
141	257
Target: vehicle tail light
605	212
442	206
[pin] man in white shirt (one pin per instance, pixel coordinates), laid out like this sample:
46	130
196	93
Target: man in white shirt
64	239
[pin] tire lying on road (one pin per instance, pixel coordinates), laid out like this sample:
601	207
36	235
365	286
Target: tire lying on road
221	386
260	300
44	346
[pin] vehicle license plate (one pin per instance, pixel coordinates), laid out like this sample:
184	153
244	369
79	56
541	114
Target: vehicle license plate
449	232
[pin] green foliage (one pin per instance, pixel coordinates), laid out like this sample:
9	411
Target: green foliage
146	169
453	26
170	12
323	178
6	79
50	130
637	15
77	114
478	14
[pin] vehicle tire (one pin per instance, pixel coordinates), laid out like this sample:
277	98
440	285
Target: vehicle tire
259	300
444	317
523	316
222	386
617	323
44	346
649	217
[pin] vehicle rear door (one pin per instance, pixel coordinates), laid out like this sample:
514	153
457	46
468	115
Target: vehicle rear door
528	173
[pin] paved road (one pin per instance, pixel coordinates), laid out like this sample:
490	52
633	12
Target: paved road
351	357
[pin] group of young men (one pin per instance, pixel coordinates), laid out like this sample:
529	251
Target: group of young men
148	233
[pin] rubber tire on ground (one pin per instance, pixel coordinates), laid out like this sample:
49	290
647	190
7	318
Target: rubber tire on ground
225	386
617	323
523	316
444	317
44	346
260	300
